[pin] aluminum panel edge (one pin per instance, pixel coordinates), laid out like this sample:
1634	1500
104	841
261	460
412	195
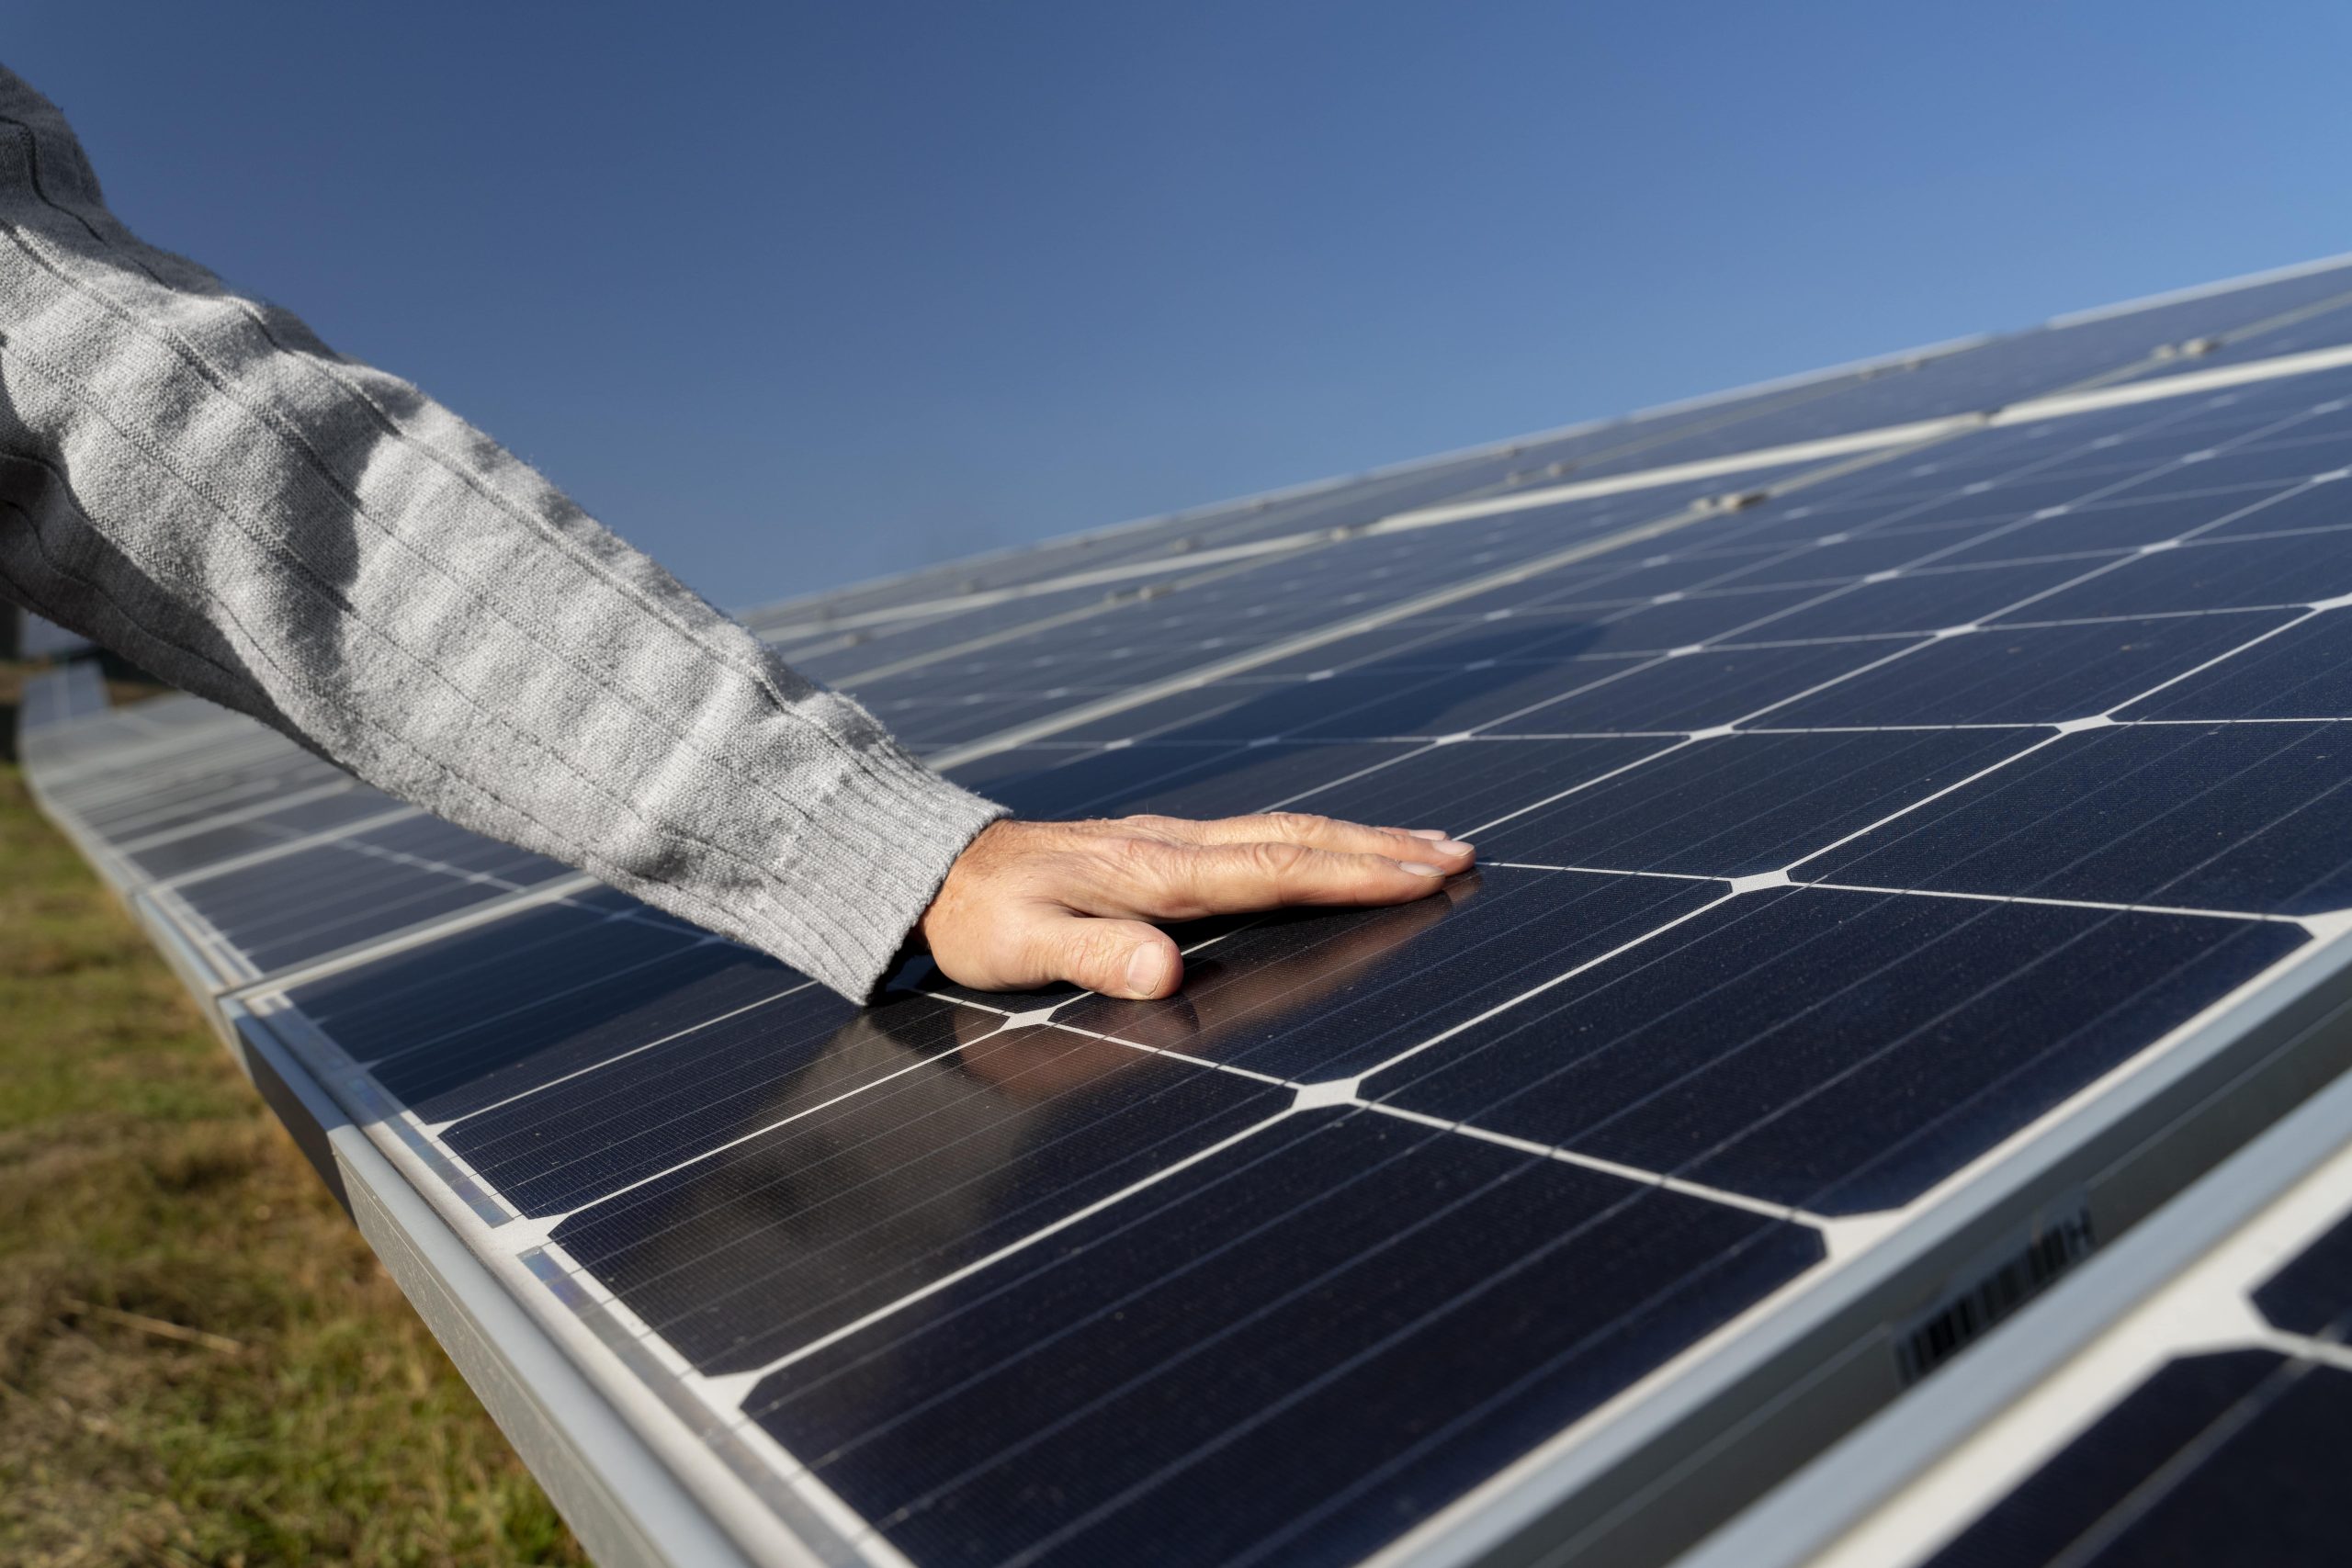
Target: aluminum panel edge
620	1498
1849	1484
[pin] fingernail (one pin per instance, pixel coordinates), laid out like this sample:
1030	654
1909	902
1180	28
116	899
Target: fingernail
1418	869
1147	967
1424	833
1455	846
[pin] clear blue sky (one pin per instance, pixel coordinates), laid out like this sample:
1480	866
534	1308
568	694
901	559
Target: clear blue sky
791	295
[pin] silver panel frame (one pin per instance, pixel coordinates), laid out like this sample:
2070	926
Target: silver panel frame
1855	1477
618	1495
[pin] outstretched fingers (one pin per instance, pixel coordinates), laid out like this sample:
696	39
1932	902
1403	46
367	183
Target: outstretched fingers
1191	881
1032	903
1421	845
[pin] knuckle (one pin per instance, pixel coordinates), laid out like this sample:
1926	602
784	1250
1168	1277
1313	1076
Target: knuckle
1279	860
1135	859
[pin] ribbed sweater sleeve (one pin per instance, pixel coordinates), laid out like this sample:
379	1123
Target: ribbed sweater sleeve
191	477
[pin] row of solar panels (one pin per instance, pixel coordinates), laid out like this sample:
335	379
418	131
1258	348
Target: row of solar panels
2301	311
1899	877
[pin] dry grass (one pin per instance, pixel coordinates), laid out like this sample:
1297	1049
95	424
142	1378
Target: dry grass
309	1417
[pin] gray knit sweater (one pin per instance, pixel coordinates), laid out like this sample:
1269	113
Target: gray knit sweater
189	477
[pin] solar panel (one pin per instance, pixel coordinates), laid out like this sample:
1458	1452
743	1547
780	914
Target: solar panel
62	695
1890	853
38	638
2184	1398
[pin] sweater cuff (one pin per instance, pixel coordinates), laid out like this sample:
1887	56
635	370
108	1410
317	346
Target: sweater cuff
891	829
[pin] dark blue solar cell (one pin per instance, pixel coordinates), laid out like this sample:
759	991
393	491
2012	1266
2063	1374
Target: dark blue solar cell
1234	711
627	1116
949	684
1694	617
1682	571
1853	557
2147	446
2028	493
2305	671
1921	602
212	790
2312	1291
1713	686
2228	574
2087	1488
823	1205
1457	786
1578	584
447	846
2253	816
2246	1485
2318	506
2118	524
326	927
2030	674
1403	645
602	1000
1022	766
1182	779
1836	1051
193	851
302	905
1314	994
2267	462
929	724
1291	1352
422	991
1741	804
1439	687
1350	707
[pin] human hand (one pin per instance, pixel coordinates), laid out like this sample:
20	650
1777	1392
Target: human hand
1031	903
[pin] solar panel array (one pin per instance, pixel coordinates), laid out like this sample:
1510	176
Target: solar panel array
1872	820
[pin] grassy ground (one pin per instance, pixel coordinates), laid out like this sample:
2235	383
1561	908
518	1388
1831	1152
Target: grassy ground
200	1362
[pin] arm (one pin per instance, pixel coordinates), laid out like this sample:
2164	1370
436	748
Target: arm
192	478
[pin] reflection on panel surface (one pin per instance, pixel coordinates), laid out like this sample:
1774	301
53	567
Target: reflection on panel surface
1380	982
1289	1352
824	1203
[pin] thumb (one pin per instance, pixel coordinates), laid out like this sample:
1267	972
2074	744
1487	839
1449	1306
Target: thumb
1116	958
